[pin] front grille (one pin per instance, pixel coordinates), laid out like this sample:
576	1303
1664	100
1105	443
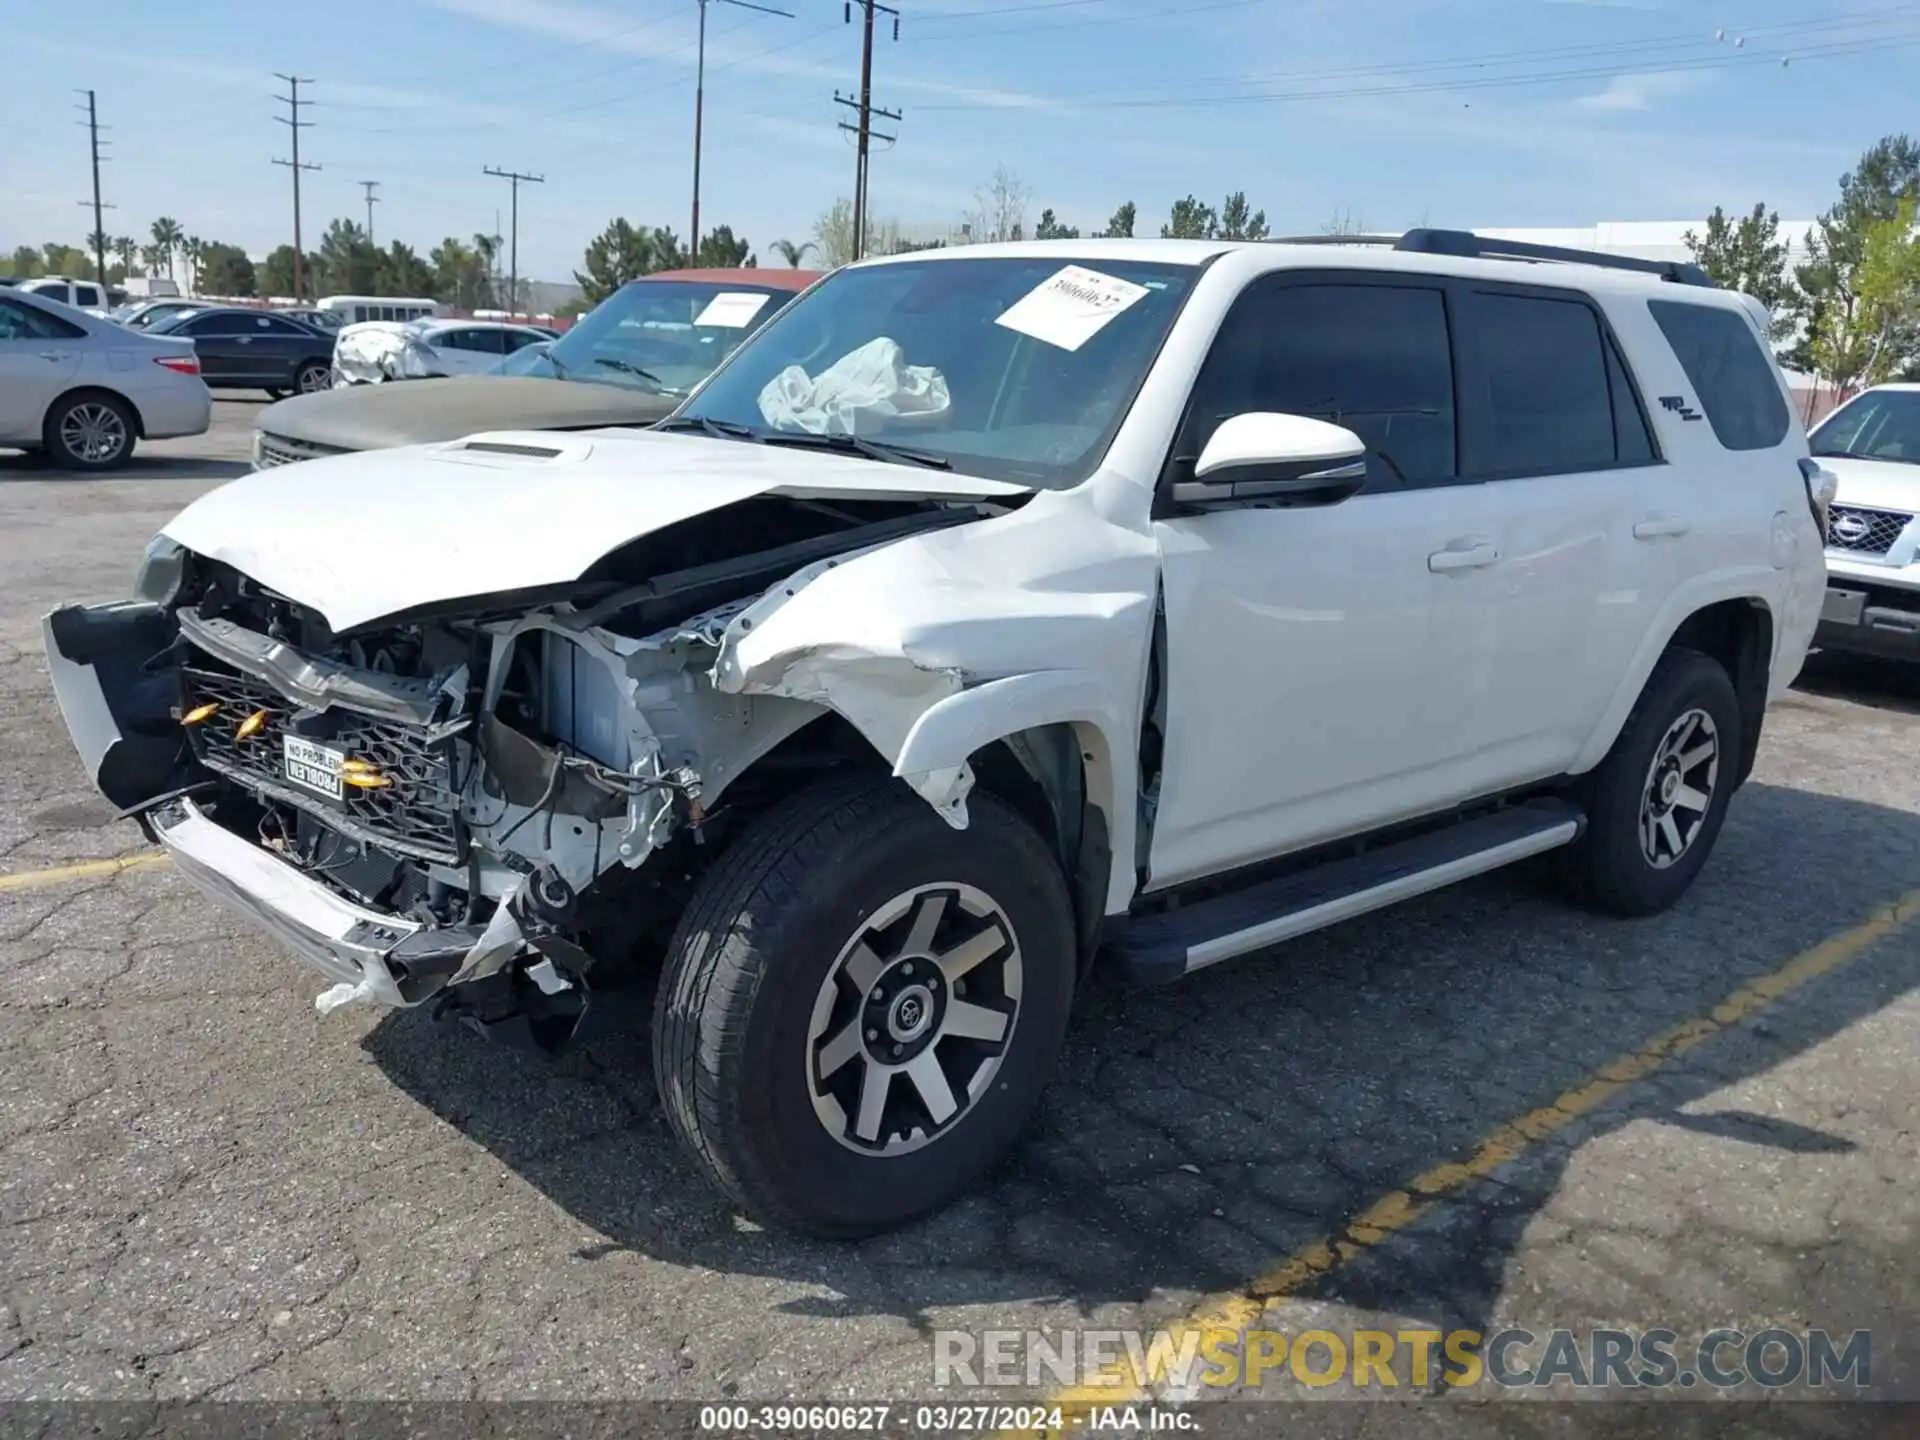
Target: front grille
418	814
1860	531
285	450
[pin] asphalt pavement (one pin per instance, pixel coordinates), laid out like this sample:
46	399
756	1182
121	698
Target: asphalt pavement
209	1190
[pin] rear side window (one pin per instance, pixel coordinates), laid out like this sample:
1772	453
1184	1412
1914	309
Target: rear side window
1730	374
1548	402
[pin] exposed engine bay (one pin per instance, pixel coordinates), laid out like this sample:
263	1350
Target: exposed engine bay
494	773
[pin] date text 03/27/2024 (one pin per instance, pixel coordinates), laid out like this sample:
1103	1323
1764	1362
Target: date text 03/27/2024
964	1419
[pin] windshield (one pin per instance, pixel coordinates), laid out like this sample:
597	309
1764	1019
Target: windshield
663	336
1879	425
1010	369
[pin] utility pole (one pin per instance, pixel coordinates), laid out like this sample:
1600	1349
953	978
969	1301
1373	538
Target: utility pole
99	224
699	105
295	125
866	110
514	177
370	186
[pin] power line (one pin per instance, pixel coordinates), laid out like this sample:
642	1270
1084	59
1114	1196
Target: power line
514	179
370	186
699	104
295	125
99	224
864	107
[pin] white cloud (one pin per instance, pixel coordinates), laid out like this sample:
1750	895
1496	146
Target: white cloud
1641	92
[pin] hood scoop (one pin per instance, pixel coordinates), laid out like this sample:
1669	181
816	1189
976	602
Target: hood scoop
502	447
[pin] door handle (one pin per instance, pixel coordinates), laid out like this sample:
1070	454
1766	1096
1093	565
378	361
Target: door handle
54	356
1465	555
1656	527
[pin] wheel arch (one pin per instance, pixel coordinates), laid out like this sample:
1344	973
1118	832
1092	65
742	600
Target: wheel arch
74	392
1738	631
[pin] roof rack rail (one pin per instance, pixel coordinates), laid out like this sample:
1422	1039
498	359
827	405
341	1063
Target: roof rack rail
1482	247
1334	240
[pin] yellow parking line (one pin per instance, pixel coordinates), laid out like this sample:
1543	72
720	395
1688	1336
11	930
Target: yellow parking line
86	870
1396	1210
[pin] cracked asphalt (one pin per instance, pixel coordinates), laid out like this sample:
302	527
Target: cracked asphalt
208	1190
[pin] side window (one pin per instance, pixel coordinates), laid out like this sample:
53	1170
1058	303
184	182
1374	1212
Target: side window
1632	439
210	325
1374	358
24	322
1543	386
274	325
1731	376
84	295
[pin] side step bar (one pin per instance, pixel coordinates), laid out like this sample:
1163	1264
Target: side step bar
1156	949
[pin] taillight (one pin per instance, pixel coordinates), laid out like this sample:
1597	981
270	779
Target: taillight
1822	486
184	364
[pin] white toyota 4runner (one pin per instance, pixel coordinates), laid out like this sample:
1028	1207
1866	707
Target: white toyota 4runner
989	612
1872	444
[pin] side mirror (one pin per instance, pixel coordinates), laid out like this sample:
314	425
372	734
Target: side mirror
1265	456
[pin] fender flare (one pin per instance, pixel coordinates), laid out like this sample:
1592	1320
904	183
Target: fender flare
1750	583
956	727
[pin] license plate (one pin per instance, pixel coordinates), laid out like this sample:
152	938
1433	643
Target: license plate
313	767
1843	607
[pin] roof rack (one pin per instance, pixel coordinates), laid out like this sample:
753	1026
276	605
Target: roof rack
1467	245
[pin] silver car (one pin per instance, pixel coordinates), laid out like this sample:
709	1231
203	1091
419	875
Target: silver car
84	390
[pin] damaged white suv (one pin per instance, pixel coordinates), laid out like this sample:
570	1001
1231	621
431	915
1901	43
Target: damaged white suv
988	612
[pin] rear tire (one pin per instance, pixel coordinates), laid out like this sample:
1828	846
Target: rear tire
92	431
1660	796
861	1006
313	378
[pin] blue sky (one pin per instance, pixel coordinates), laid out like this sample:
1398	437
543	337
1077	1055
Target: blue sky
1448	112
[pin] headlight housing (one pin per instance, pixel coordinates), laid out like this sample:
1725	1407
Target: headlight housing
161	571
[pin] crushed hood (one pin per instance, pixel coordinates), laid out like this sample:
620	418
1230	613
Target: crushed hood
1878	484
360	537
422	412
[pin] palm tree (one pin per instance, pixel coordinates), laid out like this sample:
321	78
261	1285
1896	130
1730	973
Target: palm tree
487	247
193	247
126	249
167	236
791	253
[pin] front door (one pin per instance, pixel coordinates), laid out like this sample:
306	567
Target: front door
39	356
1323	664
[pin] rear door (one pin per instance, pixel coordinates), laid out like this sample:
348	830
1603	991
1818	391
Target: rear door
39	355
1552	428
224	348
281	347
469	349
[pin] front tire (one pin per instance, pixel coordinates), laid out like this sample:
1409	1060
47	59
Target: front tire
91	431
313	378
861	1006
1660	796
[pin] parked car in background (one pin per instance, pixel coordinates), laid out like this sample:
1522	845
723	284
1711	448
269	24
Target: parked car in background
145	314
80	294
630	361
379	351
328	320
1872	444
84	391
244	349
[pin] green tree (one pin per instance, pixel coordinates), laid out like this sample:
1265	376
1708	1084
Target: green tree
1237	223
226	270
25	263
833	234
1870	342
349	263
167	236
70	260
791	253
1120	227
275	274
1049	228
402	272
127	249
621	252
1190	220
193	250
461	276
1828	301
1748	255
720	251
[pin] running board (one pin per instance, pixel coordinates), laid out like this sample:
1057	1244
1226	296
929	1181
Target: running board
1158	948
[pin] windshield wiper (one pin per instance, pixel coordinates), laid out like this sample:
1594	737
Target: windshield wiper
856	445
624	368
725	429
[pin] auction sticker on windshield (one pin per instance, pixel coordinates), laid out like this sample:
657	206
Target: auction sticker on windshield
733	310
1071	306
315	767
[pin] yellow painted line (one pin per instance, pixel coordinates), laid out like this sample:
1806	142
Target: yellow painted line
1120	1384
86	870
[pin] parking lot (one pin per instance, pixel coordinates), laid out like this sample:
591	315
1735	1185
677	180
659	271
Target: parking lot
210	1190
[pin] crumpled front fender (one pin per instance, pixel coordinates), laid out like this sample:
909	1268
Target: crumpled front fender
115	677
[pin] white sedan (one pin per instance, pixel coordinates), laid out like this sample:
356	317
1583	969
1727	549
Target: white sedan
84	389
379	350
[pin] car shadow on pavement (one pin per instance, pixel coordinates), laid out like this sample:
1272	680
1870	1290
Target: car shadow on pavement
22	467
1881	684
1195	1136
